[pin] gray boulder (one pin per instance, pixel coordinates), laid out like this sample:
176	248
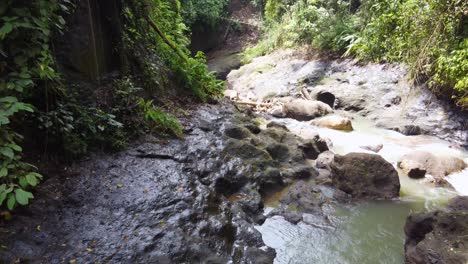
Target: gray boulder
365	175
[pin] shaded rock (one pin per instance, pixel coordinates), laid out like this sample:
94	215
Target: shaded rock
324	160
409	130
269	178
278	151
301	172
237	132
304	110
274	124
440	236
245	150
304	197
365	175
334	122
327	98
412	168
438	167
253	128
312	148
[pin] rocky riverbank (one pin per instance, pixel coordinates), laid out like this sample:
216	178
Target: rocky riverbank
290	148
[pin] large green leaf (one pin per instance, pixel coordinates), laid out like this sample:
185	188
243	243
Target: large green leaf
3	172
3	193
22	196
31	179
7	152
8	99
7	28
11	201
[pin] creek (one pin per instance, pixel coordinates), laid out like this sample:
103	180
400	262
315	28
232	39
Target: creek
365	232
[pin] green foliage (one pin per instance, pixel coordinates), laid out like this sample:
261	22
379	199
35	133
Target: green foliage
191	73
76	128
451	70
428	35
322	24
203	13
202	84
160	121
35	98
25	61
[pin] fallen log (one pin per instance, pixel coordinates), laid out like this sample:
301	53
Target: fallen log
253	103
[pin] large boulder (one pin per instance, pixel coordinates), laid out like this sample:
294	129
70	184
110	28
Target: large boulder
305	110
334	122
440	236
364	175
418	162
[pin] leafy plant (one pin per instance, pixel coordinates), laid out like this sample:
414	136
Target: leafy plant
429	35
203	13
159	120
25	61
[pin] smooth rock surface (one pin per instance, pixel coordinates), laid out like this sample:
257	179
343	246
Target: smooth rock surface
334	122
436	166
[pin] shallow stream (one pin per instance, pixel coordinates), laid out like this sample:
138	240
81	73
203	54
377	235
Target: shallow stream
368	232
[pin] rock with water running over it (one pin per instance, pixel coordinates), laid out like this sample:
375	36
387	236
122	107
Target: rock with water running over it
334	122
414	163
440	236
364	175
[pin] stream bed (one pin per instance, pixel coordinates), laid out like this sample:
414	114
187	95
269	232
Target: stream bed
364	232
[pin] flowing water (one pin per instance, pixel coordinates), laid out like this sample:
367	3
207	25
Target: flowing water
367	232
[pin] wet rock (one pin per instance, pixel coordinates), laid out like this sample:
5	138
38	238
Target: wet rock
440	236
304	197
334	122
303	172
305	110
326	97
324	160
237	132
269	178
274	124
378	91
245	150
413	169
374	148
436	166
312	148
278	151
365	175
253	128
409	130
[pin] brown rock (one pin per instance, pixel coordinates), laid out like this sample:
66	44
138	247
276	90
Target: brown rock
364	175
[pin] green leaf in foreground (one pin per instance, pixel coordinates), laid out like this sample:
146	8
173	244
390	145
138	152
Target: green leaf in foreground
22	196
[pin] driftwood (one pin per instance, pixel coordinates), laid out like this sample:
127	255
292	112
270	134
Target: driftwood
253	103
306	94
